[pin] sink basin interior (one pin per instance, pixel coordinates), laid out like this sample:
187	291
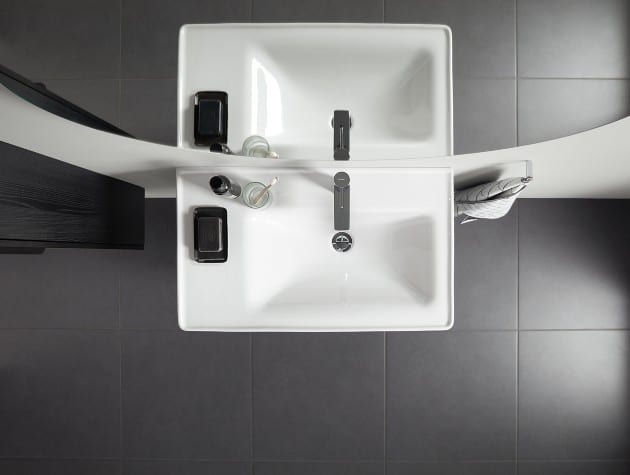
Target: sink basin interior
399	95
282	272
285	81
399	276
381	269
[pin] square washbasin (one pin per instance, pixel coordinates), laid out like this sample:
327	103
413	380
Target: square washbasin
282	272
284	81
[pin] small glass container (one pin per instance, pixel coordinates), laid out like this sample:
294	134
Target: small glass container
252	191
257	146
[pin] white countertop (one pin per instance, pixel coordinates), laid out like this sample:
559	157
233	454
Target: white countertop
592	164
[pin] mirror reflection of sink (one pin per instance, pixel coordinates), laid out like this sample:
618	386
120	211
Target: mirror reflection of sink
282	273
284	81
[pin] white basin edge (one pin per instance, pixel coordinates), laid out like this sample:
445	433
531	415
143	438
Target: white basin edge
181	262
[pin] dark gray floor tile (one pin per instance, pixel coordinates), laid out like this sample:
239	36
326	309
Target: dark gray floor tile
451	396
484	112
150	31
185	467
574	389
452	468
67	40
483	31
574	264
486	273
98	96
62	288
60	394
186	395
318	396
148	278
148	109
553	108
318	468
573	38
60	467
318	10
599	467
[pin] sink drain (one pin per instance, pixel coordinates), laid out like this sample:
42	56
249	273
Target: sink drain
342	242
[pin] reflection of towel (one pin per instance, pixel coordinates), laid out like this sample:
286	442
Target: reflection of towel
490	200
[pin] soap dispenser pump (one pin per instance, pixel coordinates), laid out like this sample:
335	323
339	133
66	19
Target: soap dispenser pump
222	186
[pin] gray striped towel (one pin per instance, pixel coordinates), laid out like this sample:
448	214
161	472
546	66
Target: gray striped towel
489	200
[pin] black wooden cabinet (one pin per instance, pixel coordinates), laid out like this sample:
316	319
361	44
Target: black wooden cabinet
49	203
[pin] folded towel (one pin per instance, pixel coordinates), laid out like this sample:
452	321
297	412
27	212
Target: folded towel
489	200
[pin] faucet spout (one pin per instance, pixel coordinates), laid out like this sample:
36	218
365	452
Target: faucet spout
341	190
341	139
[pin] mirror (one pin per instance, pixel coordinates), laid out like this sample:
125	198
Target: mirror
524	72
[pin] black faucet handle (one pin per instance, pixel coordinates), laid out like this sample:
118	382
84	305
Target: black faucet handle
341	192
341	179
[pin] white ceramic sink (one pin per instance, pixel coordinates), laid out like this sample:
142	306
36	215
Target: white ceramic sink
285	80
282	273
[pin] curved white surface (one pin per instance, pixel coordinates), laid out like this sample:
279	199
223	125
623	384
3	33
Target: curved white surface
592	164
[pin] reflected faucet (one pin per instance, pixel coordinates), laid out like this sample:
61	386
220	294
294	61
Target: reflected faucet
341	190
341	124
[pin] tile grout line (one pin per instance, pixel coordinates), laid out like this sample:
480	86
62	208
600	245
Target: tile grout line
120	53
251	429
573	78
518	326
534	330
168	330
120	369
120	354
313	461
68	329
316	461
536	78
385	403
516	71
518	244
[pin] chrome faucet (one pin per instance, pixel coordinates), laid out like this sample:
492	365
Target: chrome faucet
341	190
